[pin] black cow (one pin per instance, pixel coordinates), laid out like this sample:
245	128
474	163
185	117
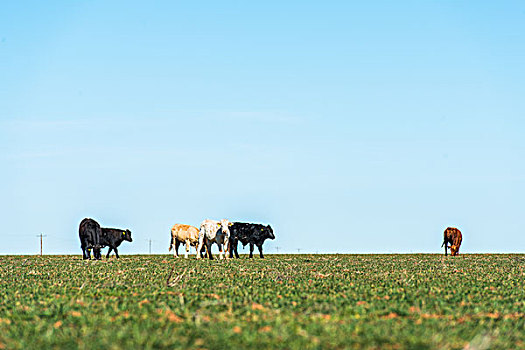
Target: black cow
89	233
113	237
249	233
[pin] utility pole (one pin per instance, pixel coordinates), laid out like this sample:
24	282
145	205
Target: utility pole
149	244
41	236
277	249
298	250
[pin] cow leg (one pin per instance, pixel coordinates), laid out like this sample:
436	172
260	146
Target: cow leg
260	250
96	253
225	246
221	256
116	252
109	251
236	244
204	250
251	250
187	249
84	252
84	245
233	247
446	243
172	245
226	251
208	246
199	246
176	252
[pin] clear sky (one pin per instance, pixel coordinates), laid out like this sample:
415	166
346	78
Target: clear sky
366	126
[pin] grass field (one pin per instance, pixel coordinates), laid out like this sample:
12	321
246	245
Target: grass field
283	301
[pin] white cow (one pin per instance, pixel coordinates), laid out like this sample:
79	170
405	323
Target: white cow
212	231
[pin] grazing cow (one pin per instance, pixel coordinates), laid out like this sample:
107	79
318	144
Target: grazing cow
254	234
113	237
453	236
89	233
186	234
212	231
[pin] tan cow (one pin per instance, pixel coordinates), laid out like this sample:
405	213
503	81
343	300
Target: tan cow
186	234
453	236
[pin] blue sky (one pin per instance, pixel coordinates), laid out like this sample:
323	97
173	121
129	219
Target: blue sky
350	127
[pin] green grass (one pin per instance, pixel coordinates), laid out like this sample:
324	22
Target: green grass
284	301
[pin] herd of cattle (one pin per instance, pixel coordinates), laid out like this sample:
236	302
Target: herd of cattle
224	233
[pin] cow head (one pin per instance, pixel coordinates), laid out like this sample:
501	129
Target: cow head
453	250
267	232
224	226
126	235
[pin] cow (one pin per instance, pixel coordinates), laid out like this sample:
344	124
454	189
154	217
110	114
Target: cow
113	237
89	232
453	236
186	234
212	231
254	234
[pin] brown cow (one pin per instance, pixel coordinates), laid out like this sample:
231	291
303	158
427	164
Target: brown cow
186	234
453	236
